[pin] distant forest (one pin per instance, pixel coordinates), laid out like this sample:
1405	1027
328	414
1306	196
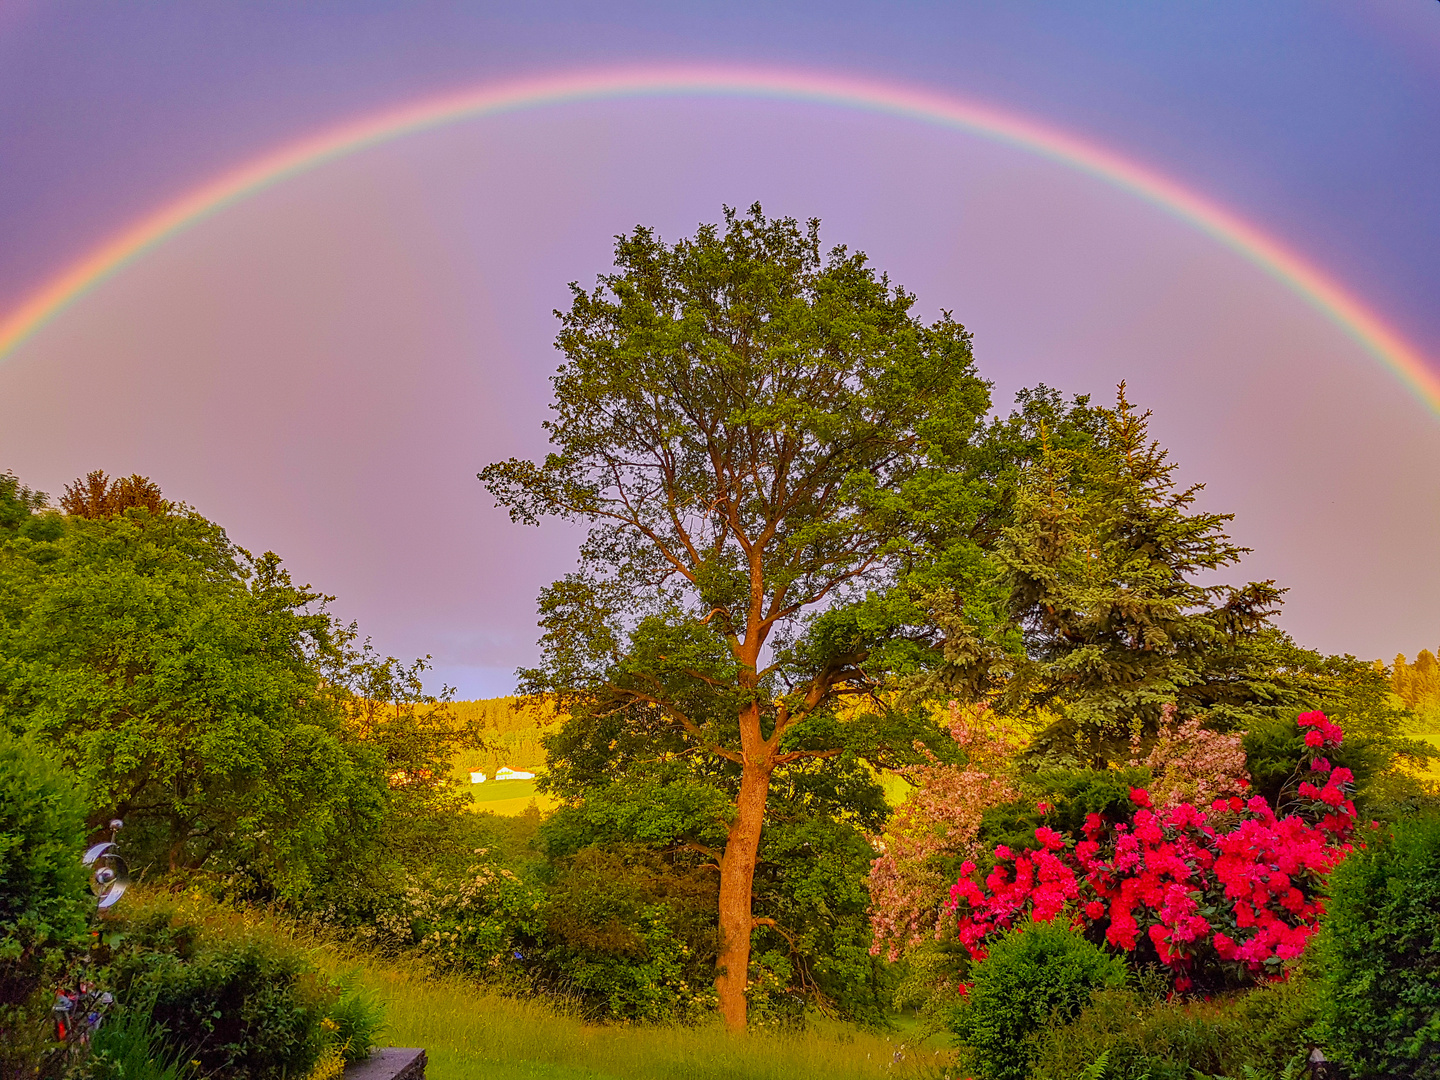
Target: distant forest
511	731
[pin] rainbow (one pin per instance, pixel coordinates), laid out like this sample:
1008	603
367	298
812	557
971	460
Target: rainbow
1265	251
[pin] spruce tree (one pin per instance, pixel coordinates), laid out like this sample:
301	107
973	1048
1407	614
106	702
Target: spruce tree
1102	562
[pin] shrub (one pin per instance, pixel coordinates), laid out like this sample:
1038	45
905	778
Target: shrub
481	920
632	937
1261	1030
44	901
241	1009
1381	950
1042	973
1221	896
243	1003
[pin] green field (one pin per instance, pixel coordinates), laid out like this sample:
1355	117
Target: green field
469	1033
509	797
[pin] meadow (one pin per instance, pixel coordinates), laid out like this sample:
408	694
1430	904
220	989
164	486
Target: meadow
511	731
470	1031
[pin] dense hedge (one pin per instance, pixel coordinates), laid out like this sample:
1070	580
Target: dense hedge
44	901
1381	947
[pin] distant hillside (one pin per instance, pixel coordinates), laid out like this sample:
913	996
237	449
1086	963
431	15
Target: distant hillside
512	735
1418	684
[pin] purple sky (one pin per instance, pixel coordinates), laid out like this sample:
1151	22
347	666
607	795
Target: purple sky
323	368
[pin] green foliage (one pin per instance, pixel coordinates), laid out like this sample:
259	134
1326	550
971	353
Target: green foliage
359	1018
811	882
1377	747
1070	795
632	936
1418	684
179	678
201	695
1042	973
128	1046
1102	560
483	919
764	441
650	843
225	990
241	1009
1257	1033
44	900
19	505
1381	949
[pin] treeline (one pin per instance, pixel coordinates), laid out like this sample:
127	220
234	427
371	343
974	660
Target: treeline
1418	684
510	730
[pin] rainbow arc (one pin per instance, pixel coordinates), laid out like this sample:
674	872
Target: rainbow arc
1316	287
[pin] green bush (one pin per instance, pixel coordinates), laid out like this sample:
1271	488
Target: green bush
1262	1030
1041	973
242	1003
1381	953
241	1009
44	901
631	936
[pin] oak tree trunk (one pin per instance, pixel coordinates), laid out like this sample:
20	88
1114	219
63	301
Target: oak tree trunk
737	875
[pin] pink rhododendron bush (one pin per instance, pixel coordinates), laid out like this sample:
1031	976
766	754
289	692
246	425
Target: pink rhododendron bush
1220	893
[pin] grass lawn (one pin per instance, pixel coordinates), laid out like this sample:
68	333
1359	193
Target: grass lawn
471	1033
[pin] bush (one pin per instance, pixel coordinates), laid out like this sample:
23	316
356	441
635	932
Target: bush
44	900
240	1009
1040	974
1381	950
1262	1030
241	1003
631	936
1218	896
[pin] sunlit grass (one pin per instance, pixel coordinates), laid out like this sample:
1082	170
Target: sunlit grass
470	1032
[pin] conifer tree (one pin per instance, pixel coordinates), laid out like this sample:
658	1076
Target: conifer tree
1102	564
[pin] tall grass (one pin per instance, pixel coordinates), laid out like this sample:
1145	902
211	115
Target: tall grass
470	1032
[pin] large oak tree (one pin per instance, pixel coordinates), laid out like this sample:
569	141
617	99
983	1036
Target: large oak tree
761	437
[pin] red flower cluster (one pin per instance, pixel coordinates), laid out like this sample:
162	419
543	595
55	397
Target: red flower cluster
1237	885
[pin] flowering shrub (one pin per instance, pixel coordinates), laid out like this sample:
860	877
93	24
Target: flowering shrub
1232	891
1193	764
479	921
935	826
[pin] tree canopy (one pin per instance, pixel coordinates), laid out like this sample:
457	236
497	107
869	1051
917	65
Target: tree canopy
202	696
754	431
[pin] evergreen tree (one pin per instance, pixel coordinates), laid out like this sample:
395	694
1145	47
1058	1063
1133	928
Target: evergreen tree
1101	565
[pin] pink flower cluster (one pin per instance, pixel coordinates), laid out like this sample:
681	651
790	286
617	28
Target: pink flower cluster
1191	763
939	820
1234	887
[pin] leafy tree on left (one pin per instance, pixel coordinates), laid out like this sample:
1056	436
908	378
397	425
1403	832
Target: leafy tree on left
201	695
